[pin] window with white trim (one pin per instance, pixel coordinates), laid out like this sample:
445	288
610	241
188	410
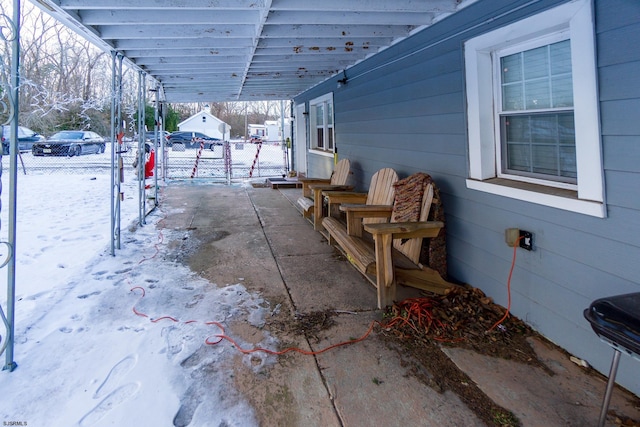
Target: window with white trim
321	123
532	110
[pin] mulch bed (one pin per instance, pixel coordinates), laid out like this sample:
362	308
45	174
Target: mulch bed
464	317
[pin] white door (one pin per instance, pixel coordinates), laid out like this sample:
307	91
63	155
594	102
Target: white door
300	142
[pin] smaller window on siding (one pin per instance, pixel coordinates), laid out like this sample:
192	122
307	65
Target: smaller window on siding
321	118
320	124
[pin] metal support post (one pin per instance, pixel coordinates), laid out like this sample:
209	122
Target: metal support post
141	153
115	233
10	364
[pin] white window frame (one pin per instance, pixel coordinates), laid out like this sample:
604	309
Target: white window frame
325	100
587	196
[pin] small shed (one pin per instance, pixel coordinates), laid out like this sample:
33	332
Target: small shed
208	124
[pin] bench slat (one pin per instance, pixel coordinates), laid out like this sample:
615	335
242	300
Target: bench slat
358	251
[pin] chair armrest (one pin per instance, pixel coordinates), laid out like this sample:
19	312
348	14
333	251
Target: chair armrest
385	234
314	180
406	230
356	213
339	197
306	182
330	187
364	211
335	198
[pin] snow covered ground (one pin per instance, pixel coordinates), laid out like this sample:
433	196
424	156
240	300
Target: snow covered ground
84	357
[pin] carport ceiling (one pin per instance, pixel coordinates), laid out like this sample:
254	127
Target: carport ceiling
231	50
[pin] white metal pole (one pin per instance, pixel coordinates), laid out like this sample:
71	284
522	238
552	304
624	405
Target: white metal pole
157	144
114	168
10	364
141	156
120	131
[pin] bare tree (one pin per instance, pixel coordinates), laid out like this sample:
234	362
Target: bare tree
66	82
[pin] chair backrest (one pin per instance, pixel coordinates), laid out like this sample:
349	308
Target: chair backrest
381	191
413	199
341	172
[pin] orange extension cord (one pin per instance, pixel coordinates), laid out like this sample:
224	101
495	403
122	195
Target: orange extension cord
414	312
222	336
513	264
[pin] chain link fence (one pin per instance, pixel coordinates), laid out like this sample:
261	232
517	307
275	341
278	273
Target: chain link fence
234	160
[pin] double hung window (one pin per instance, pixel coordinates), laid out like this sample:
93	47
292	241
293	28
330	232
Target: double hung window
532	111
321	123
535	117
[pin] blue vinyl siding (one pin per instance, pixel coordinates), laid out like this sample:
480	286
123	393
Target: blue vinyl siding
322	166
405	108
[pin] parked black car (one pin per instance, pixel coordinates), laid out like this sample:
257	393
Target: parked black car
26	138
70	143
192	140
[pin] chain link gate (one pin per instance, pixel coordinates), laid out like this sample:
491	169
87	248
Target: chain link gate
230	160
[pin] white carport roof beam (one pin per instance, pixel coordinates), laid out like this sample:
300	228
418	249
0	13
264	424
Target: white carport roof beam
264	13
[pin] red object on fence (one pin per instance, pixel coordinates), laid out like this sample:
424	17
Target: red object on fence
253	166
149	165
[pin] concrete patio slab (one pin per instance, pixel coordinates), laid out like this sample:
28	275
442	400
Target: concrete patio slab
257	237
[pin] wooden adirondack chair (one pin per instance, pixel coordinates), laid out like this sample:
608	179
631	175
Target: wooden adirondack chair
365	208
311	200
390	253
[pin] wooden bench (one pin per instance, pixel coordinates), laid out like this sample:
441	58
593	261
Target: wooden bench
311	200
388	253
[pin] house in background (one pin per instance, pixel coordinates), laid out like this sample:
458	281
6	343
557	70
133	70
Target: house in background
525	113
208	124
259	130
271	130
275	131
